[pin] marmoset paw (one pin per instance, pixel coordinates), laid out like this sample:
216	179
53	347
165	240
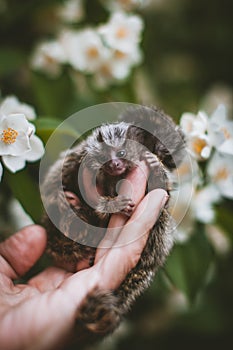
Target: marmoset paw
123	204
152	160
115	205
128	210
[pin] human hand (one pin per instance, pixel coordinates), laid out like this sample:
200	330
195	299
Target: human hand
41	314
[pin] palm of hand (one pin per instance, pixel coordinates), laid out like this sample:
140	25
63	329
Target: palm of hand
43	310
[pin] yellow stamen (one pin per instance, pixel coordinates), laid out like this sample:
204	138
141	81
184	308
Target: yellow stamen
222	174
49	59
119	54
9	136
92	52
121	33
198	145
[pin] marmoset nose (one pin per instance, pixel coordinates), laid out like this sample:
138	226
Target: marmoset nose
114	164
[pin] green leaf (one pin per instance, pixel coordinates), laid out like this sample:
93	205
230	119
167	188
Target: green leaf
54	97
189	264
26	190
56	135
45	127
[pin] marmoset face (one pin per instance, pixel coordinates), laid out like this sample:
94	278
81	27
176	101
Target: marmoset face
110	151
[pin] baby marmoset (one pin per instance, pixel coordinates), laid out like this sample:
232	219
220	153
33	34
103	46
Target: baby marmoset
110	153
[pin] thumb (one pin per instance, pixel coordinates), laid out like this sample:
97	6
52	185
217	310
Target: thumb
23	249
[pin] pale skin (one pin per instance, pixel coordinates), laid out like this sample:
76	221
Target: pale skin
41	313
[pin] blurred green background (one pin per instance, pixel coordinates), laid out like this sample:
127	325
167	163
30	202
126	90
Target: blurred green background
188	55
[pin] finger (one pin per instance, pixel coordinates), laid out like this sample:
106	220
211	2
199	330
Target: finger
125	254
143	218
134	186
49	279
22	250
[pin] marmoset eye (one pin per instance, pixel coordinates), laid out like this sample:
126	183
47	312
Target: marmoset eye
121	153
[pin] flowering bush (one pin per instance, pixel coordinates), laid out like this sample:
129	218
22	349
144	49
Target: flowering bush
107	52
64	55
210	141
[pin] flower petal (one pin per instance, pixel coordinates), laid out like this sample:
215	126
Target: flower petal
11	105
202	204
8	105
226	187
17	122
226	147
219	115
14	163
37	149
205	153
31	129
186	122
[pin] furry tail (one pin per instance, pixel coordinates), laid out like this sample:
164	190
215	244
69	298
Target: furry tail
99	313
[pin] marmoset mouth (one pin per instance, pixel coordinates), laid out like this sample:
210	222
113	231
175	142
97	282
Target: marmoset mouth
115	171
114	167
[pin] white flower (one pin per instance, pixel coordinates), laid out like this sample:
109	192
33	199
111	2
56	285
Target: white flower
14	138
191	123
85	50
220	172
203	201
122	62
122	32
199	146
219	239
188	171
196	129
204	133
189	204
117	67
11	105
18	143
221	130
71	11
48	57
